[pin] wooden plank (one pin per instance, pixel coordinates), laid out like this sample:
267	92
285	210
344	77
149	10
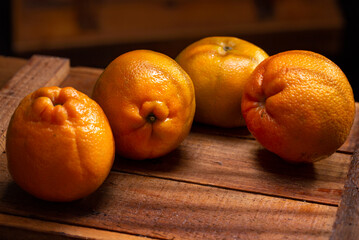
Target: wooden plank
165	209
39	71
244	165
8	67
346	225
82	78
15	227
352	141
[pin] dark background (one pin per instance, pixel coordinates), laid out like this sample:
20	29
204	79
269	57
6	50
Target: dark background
273	25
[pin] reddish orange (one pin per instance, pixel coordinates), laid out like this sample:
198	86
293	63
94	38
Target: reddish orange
299	105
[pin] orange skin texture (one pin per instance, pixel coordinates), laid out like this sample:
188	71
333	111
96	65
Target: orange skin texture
59	144
149	101
299	105
219	68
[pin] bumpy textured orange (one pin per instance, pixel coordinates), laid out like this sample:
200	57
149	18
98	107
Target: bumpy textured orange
59	144
149	101
219	67
299	105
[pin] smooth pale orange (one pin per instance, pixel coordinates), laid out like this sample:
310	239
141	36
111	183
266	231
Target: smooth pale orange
299	105
59	144
149	101
219	67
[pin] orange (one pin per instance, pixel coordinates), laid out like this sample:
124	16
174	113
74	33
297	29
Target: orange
149	101
299	105
219	67
59	144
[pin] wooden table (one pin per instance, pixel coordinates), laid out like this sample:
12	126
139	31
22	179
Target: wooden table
218	184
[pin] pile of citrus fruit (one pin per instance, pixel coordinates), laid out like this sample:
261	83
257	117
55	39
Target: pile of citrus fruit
61	143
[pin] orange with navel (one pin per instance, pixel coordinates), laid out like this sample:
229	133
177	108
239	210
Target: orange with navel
59	144
299	105
219	67
149	101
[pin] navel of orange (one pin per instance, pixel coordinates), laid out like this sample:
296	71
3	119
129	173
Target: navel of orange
149	101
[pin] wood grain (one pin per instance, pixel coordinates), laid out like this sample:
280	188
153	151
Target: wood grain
346	225
15	227
166	209
351	144
8	67
39	71
82	78
243	164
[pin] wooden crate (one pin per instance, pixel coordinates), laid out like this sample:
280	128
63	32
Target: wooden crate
218	184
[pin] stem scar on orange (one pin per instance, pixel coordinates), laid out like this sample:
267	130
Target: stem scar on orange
59	144
299	105
149	101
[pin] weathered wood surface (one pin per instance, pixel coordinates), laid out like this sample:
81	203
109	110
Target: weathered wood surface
30	228
219	184
38	72
166	209
8	67
346	225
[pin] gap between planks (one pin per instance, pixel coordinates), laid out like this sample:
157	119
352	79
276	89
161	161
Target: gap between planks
36	226
166	209
244	165
226	188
